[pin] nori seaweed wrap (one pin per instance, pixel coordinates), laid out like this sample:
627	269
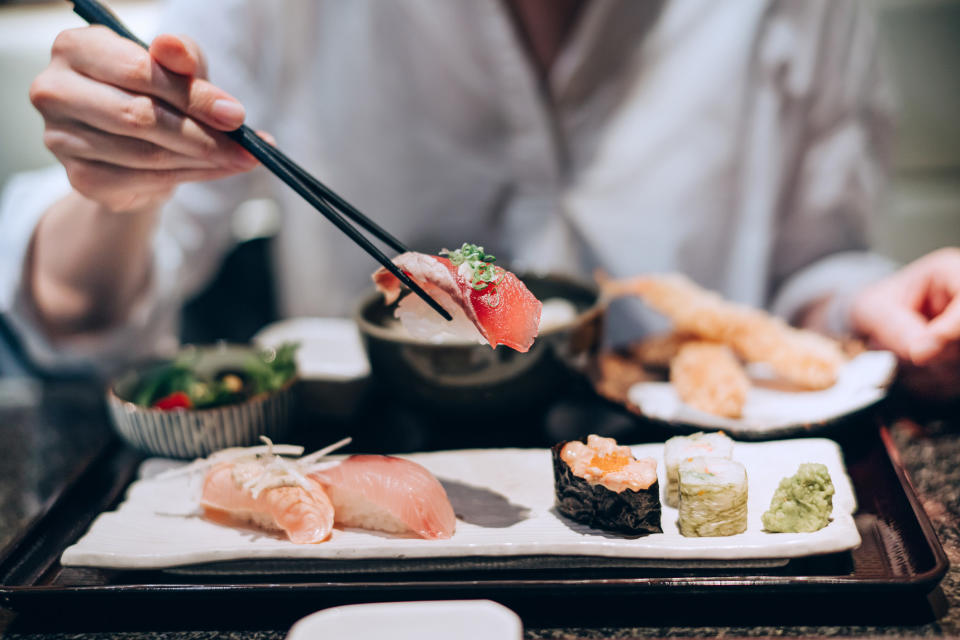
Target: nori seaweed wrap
629	511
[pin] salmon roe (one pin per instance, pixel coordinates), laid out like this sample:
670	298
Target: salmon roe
611	461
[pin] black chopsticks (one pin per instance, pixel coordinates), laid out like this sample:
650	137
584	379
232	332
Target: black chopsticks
310	189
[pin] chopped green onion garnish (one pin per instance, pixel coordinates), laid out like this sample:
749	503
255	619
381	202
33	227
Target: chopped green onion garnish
477	262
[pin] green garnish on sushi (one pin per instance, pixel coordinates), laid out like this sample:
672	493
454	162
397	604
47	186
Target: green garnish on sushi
474	265
802	503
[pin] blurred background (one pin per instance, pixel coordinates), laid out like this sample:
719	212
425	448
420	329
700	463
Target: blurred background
921	211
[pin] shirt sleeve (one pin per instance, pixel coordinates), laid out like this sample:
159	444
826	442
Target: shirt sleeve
821	248
192	236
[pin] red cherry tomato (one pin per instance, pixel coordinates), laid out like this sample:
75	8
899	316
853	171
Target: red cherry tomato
176	400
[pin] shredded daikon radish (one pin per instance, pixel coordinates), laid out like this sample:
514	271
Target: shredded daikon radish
261	467
310	459
227	455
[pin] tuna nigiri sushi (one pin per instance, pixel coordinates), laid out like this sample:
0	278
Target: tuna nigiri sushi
387	494
246	492
488	303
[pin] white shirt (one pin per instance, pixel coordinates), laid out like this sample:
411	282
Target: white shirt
741	143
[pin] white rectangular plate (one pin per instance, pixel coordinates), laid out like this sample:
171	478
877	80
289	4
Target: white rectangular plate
504	502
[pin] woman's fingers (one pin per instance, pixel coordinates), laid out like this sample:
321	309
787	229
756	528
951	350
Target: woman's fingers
940	271
946	326
69	97
179	54
915	312
76	140
899	329
128	124
268	137
105	57
108	184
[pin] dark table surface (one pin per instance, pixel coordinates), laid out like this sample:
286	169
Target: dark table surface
46	429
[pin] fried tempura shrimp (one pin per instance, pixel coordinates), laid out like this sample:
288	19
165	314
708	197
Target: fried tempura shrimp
805	358
708	377
658	350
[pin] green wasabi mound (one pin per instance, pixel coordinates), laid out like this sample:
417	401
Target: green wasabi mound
802	503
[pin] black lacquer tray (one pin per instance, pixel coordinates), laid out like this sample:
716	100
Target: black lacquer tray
888	579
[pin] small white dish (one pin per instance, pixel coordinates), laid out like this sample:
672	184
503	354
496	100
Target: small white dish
432	620
332	364
330	348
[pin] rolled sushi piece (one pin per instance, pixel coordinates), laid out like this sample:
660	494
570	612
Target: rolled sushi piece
601	484
713	497
681	448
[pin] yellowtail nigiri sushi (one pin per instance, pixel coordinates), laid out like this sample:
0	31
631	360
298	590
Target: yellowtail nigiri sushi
388	494
243	492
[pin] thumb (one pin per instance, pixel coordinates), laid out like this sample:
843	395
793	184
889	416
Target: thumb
179	54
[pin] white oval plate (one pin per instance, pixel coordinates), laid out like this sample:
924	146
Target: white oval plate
431	620
863	381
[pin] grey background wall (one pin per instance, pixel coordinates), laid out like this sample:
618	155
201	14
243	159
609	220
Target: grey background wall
922	211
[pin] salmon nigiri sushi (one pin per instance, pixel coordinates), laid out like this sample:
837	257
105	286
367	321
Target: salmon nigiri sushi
246	492
389	494
488	303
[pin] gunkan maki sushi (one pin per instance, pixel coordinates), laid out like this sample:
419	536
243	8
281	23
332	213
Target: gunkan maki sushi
601	484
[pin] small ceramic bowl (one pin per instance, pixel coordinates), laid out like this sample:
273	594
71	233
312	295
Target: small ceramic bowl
474	379
194	433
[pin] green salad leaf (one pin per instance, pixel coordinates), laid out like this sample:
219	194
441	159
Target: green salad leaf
270	370
178	384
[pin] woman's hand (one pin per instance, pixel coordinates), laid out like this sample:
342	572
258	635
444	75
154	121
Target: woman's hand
130	125
916	314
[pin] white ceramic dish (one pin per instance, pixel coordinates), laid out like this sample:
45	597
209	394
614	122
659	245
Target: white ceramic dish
330	348
438	620
191	433
332	367
504	501
863	381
